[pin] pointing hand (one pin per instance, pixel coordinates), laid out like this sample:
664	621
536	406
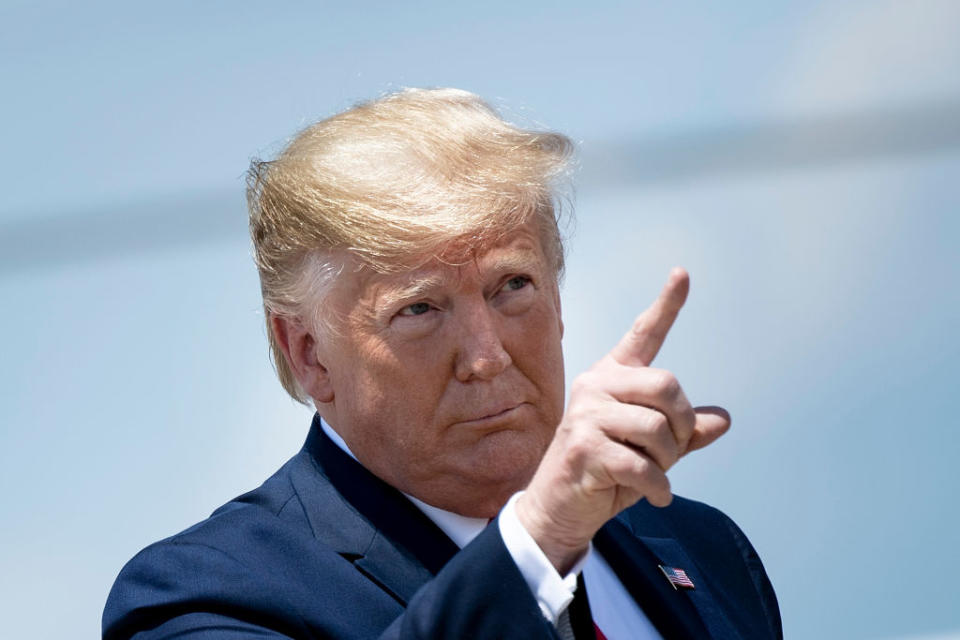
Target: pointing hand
625	426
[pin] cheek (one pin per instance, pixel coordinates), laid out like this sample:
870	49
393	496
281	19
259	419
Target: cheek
554	360
401	384
540	358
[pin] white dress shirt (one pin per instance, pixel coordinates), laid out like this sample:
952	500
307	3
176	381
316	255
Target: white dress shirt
613	609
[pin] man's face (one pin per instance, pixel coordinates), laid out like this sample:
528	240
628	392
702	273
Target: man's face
447	381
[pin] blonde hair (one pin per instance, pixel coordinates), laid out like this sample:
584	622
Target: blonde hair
393	182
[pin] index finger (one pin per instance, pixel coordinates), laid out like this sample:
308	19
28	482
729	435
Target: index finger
640	345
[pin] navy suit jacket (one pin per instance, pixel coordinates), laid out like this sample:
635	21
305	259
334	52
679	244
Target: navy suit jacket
325	549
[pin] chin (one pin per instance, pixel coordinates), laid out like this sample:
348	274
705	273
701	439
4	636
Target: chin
507	459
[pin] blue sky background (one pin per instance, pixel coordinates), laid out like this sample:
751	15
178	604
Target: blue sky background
802	160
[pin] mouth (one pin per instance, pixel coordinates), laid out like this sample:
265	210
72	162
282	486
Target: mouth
493	416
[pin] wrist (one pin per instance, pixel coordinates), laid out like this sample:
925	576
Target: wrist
562	549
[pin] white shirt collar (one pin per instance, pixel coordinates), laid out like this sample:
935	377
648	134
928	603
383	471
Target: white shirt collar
461	529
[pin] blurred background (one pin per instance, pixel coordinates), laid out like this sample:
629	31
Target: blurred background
800	159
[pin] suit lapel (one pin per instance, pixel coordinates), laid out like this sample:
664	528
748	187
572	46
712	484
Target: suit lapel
369	522
684	613
670	611
669	552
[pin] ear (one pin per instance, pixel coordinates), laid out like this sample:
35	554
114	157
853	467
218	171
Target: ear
299	347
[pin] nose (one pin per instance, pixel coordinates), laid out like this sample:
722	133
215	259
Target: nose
481	355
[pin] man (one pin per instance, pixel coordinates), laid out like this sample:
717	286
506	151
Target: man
409	258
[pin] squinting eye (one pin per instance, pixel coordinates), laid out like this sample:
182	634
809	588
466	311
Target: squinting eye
516	282
415	309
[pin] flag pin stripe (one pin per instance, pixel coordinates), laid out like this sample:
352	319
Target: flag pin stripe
677	577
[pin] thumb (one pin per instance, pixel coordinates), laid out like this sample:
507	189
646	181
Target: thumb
712	422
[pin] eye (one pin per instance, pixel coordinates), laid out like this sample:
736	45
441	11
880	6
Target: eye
415	309
516	283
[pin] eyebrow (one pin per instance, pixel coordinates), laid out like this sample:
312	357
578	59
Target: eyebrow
388	294
525	259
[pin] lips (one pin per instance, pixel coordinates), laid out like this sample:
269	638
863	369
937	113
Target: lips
496	411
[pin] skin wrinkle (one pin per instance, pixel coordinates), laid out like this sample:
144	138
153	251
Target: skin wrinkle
457	406
387	295
406	174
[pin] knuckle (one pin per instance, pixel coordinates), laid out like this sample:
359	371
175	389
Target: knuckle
579	449
638	469
657	422
639	329
642	467
617	461
671	457
640	323
628	467
583	383
689	422
582	413
666	384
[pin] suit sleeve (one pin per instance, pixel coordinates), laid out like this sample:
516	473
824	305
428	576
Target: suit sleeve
480	593
189	590
194	591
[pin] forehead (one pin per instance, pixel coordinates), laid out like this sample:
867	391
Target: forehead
519	251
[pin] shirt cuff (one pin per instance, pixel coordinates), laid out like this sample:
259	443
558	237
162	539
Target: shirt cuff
553	592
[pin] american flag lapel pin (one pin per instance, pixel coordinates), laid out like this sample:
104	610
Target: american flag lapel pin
677	577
